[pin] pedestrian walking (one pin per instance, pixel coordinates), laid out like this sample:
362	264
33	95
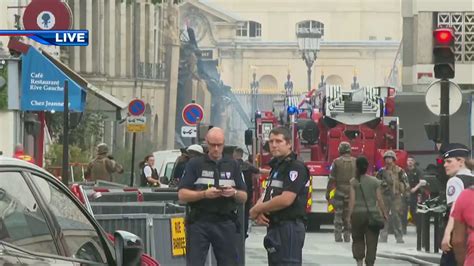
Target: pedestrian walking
394	190
180	163
463	231
102	166
367	213
212	186
342	170
149	175
456	165
415	180
283	205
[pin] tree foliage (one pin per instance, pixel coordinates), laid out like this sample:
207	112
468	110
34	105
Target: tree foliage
3	89
83	134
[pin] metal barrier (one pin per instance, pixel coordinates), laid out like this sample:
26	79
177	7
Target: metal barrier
153	215
160	196
135	207
155	231
112	196
435	209
105	194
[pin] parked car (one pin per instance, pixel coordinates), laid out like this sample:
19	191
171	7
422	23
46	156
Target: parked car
42	222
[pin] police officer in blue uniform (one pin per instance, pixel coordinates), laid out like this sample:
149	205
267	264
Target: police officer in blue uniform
456	165
213	186
283	206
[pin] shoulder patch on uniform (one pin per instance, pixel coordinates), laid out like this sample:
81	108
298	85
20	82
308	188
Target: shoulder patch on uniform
293	175
451	190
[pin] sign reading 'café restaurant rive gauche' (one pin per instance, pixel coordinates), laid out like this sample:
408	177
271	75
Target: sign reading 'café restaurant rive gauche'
43	85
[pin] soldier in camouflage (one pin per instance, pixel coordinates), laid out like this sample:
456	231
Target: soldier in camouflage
342	170
102	166
394	188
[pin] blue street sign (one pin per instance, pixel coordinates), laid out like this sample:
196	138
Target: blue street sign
136	107
192	113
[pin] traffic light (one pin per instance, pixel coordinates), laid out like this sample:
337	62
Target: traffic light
443	53
433	131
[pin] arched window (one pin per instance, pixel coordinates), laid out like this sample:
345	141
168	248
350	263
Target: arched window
250	29
334	80
310	26
268	82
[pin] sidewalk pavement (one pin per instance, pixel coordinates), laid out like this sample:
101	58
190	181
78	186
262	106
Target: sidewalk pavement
408	250
320	249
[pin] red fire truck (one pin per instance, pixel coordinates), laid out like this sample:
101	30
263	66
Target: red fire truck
323	119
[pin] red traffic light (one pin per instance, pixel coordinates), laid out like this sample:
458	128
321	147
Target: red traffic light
443	36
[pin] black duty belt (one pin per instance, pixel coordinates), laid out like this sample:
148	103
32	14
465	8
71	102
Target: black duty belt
278	221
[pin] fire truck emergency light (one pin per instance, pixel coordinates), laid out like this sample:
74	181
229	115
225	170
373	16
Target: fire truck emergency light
292	110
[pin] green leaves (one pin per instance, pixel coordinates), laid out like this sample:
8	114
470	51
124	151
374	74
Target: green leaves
3	88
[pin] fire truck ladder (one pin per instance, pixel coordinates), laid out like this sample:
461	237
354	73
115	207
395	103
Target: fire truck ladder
355	107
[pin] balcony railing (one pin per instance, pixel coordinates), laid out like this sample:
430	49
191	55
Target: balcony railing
151	71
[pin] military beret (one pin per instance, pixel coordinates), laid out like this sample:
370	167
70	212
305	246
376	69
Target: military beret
455	150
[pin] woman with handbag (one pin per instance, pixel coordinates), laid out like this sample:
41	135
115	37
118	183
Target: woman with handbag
366	213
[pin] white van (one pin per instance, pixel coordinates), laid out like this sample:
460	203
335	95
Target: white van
164	162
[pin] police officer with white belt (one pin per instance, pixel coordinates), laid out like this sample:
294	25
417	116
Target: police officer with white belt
283	206
213	186
456	164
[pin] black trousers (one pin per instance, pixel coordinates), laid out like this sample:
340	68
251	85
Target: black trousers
248	206
284	243
221	234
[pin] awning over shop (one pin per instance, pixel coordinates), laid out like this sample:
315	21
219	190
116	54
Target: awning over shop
43	85
42	88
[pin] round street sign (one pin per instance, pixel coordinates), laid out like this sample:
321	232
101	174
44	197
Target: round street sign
433	96
192	113
136	107
47	15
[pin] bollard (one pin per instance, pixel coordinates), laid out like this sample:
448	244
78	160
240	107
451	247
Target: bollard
436	233
426	232
419	227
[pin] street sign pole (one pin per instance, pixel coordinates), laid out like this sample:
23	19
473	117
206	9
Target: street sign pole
198	125
132	174
65	170
444	112
135	123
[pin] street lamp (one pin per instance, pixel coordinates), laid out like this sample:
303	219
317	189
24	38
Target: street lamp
254	89
308	42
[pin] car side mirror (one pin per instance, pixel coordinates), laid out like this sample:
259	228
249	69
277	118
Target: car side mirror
128	248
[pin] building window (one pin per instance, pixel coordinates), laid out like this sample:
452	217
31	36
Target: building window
251	29
372	38
310	25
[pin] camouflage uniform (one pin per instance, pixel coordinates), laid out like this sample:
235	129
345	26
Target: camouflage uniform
102	166
394	189
342	170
